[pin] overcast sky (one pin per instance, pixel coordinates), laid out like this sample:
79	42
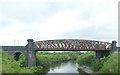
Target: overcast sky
57	19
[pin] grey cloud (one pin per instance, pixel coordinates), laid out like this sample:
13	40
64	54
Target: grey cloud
4	23
91	33
28	12
42	11
85	15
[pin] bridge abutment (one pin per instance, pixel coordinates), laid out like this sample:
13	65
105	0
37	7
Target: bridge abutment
100	54
31	55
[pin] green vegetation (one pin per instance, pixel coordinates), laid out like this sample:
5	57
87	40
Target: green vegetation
111	65
9	65
0	61
42	58
104	65
86	58
46	58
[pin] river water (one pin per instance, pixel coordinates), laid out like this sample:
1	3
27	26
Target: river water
64	67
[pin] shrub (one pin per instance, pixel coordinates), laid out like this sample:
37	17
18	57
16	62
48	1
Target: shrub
22	61
47	58
111	65
86	58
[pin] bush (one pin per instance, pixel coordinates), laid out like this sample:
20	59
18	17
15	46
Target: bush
46	58
86	58
111	65
21	61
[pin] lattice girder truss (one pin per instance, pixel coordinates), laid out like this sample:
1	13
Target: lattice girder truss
71	44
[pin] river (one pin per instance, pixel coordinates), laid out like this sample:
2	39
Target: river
64	67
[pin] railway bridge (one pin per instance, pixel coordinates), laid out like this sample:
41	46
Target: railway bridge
29	51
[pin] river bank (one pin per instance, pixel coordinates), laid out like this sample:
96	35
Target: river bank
87	69
104	65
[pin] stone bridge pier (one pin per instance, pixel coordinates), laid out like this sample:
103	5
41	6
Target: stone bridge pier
100	54
31	54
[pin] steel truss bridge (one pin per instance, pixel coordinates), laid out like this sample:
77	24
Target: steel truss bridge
101	48
71	44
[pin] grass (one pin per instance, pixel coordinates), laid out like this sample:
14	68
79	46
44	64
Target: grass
9	65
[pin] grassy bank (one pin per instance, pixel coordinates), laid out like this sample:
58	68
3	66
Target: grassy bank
9	65
104	65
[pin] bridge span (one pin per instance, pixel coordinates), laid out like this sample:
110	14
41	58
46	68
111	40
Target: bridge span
101	48
71	44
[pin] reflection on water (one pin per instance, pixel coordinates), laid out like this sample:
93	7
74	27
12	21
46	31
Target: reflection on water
64	67
68	67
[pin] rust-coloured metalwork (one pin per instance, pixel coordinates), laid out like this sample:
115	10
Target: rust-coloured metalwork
71	44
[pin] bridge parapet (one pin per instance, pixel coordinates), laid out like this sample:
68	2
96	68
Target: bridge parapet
13	48
72	44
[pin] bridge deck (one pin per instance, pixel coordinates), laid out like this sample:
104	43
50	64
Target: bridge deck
67	50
